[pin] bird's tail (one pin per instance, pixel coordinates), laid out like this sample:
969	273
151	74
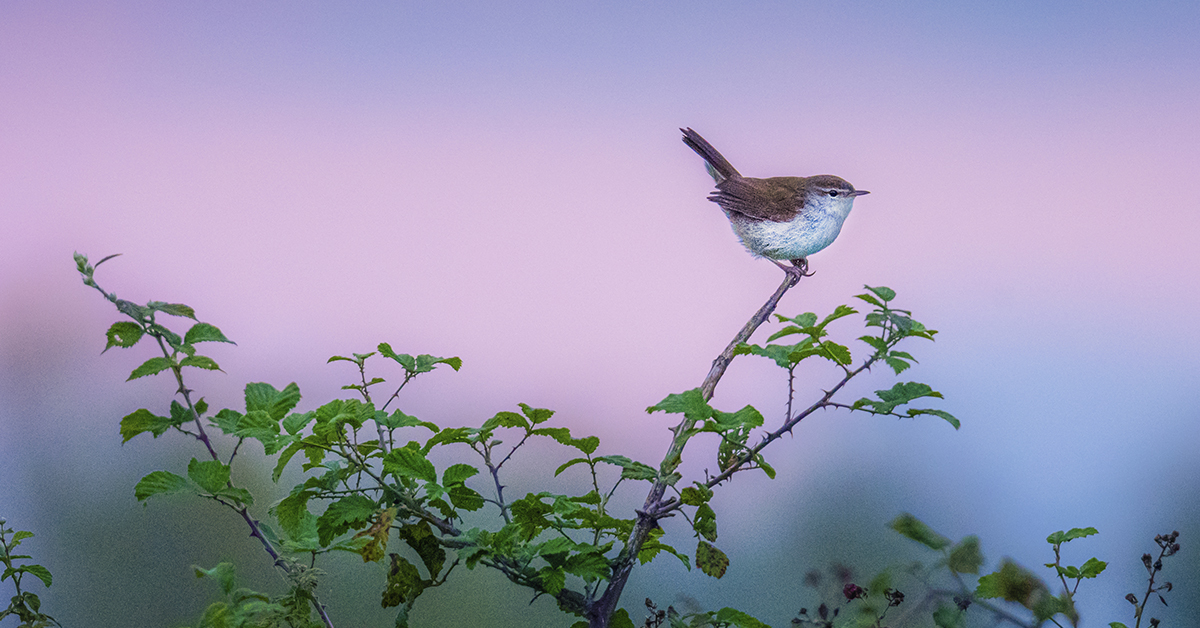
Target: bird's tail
718	167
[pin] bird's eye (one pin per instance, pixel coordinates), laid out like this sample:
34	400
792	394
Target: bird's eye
833	192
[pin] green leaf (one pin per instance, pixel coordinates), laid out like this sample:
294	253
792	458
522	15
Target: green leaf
536	415
210	475
529	514
887	294
652	547
457	474
712	561
965	557
949	418
897	395
705	522
409	463
568	464
174	309
553	579
143	421
296	422
916	530
1092	568
276	403
589	565
294	517
690	403
398	419
352	511
200	361
630	469
39	572
123	334
505	419
421	539
695	495
152	366
1061	537
160	483
425	363
747	417
203	332
838	354
464	497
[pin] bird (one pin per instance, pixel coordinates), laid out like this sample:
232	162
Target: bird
780	218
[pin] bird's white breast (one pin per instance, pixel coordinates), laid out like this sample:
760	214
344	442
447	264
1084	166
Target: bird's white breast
813	229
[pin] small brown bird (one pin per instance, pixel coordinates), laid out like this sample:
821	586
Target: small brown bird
780	218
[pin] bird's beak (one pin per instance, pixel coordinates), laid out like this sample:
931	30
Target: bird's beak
858	193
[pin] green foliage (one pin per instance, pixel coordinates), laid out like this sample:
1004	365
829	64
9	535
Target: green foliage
375	473
24	605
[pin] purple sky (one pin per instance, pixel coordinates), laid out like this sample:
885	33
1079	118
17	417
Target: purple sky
507	184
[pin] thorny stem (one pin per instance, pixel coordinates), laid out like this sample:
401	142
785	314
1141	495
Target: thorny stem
600	612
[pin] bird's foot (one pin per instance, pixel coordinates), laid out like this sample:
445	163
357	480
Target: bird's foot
798	269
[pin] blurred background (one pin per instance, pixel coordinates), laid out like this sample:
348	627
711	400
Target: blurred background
506	183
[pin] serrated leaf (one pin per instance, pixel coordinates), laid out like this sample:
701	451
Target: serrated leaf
204	332
568	464
409	463
419	537
836	353
712	561
536	415
690	403
505	419
1079	533
123	334
457	474
887	294
897	395
552	579
630	469
143	420
210	475
705	522
589	565
160	483
39	572
276	403
200	361
425	363
398	419
296	422
174	309
1092	568
949	418
294	517
916	530
695	495
352	511
152	366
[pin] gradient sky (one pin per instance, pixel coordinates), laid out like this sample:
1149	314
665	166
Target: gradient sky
507	184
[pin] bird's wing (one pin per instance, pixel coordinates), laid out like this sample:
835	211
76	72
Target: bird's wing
774	199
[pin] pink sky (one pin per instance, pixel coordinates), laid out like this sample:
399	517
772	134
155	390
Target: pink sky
508	185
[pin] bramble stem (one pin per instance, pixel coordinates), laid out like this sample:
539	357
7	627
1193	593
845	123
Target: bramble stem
600	612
